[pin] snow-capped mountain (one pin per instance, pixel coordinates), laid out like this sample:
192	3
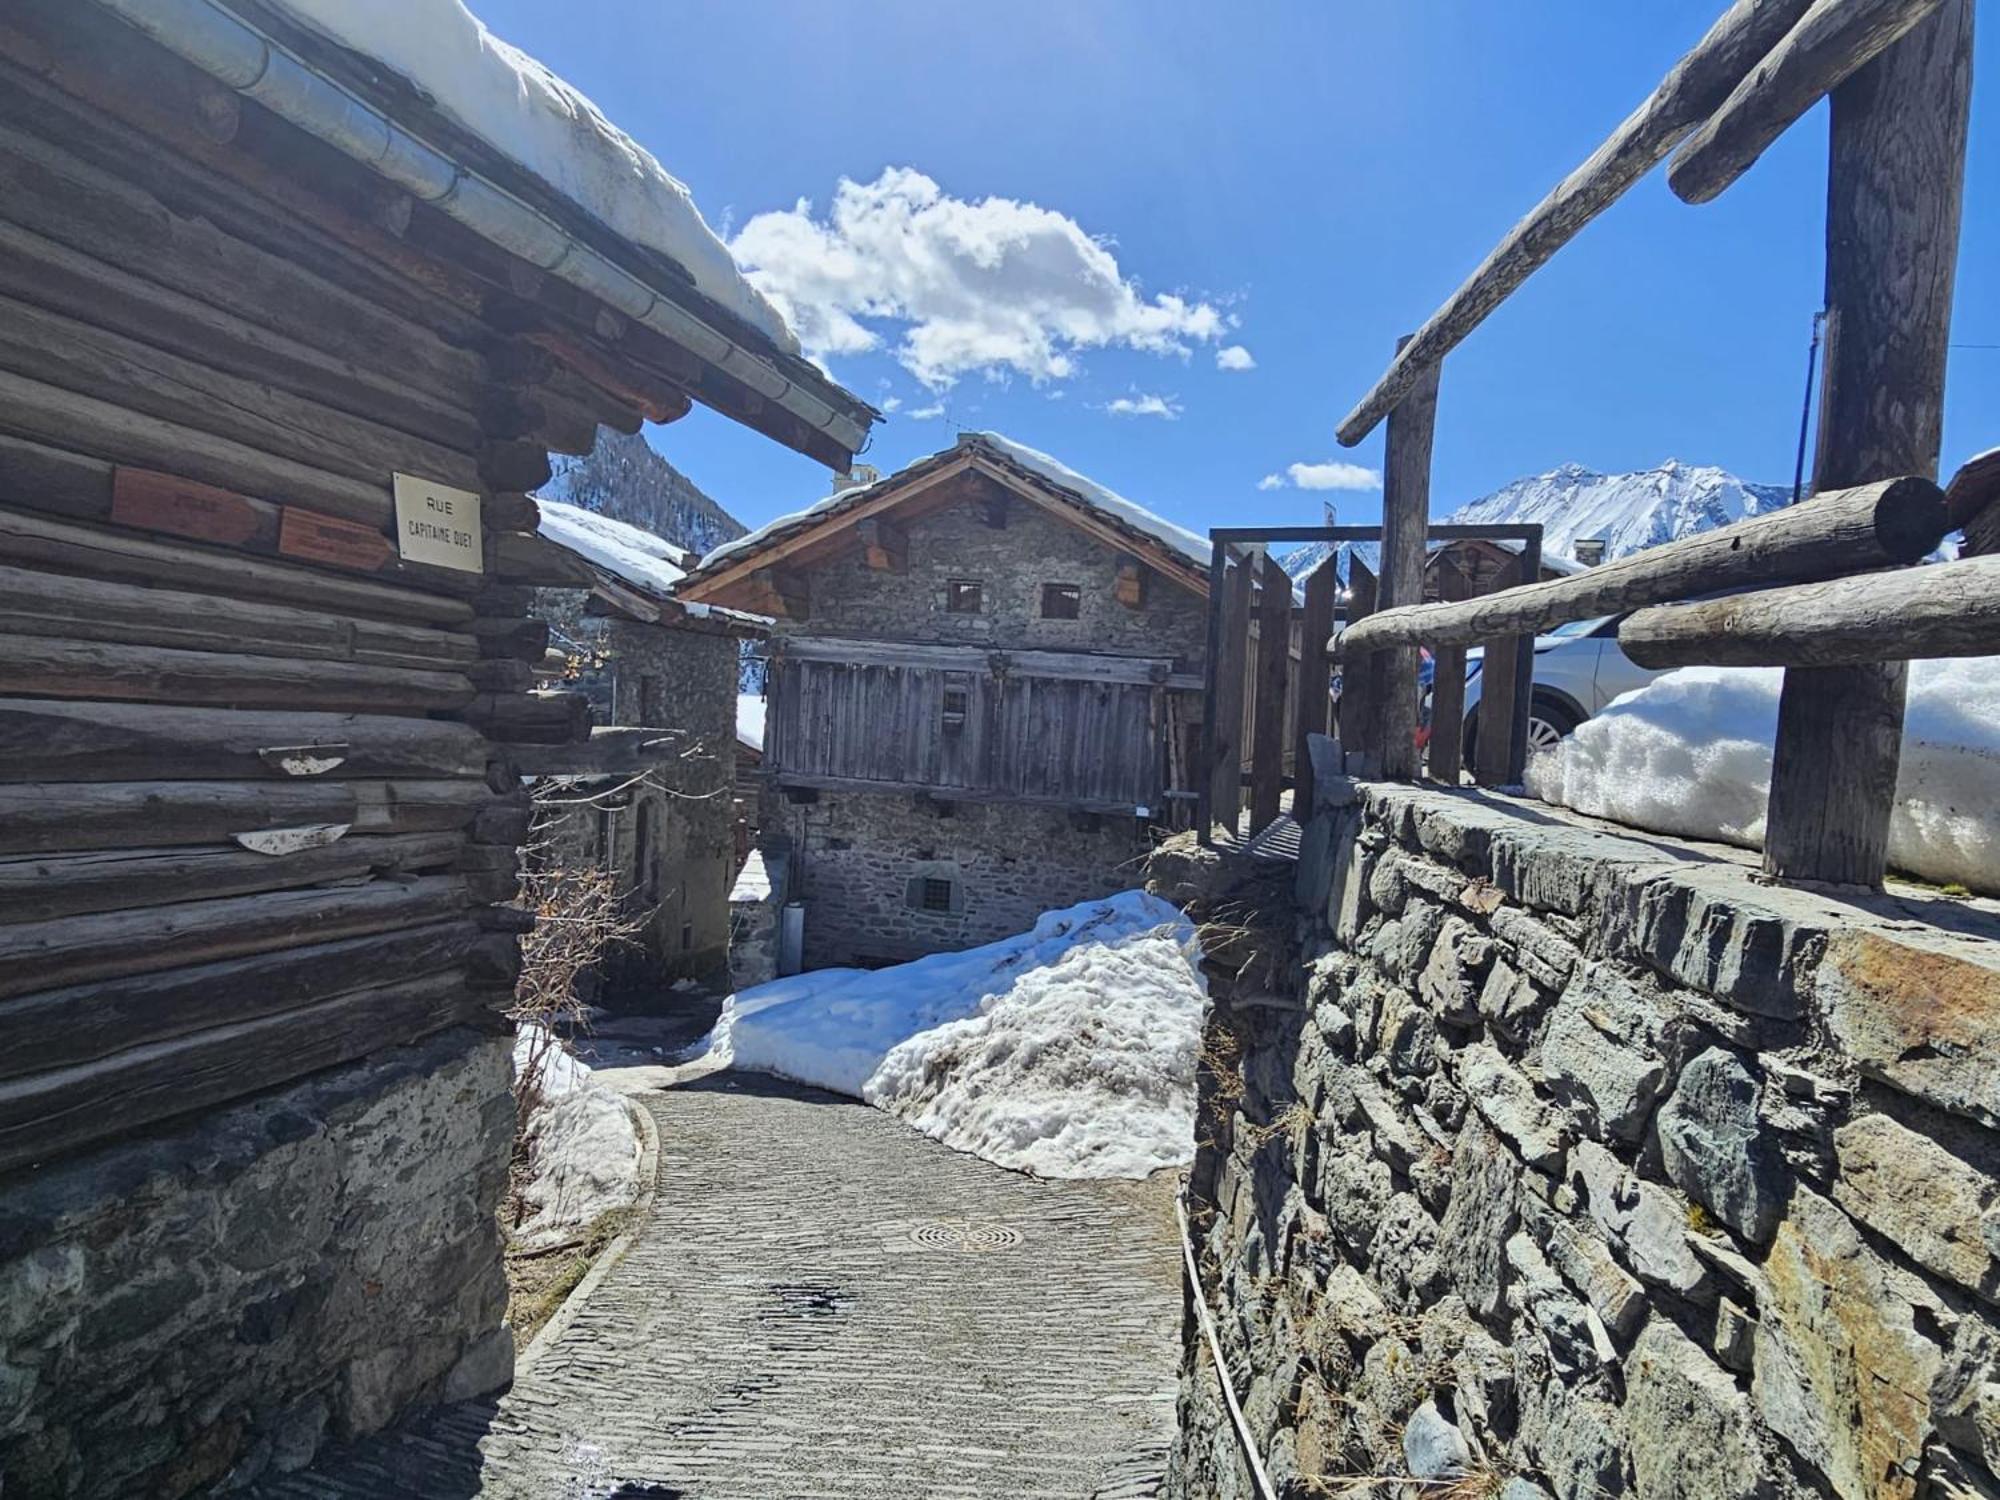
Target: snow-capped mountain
625	478
1629	512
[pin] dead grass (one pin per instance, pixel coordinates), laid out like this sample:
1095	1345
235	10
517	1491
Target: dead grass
537	1283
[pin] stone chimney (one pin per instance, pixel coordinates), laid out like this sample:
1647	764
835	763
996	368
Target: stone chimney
1588	550
856	477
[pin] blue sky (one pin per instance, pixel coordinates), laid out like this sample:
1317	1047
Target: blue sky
1310	179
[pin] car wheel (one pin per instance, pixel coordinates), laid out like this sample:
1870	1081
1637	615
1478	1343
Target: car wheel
1550	721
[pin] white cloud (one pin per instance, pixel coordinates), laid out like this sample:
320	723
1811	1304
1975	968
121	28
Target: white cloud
1137	405
892	403
1332	475
1234	357
926	413
995	285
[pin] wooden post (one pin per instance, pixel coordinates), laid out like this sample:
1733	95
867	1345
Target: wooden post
1204	776
1315	697
1406	519
1493	749
1448	687
1358	699
1896	176
1225	736
1524	672
1274	651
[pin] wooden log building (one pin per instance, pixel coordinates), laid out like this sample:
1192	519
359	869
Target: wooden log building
282	350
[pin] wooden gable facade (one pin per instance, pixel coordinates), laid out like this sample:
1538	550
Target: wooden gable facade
968	630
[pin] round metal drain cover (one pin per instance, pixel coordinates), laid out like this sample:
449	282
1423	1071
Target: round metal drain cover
962	1235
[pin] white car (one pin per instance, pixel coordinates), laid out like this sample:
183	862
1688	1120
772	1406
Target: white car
1578	669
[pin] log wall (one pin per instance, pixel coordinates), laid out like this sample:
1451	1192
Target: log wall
253	811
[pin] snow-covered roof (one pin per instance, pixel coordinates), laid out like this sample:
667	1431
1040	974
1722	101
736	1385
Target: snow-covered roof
627	552
1051	473
750	719
527	114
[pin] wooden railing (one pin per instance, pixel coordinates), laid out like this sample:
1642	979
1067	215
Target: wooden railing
1899	76
1269	678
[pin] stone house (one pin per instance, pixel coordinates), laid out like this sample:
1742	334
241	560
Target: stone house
657	809
984	696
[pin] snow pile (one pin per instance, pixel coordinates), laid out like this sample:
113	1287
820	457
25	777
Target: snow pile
750	719
526	113
623	550
1068	1051
583	1150
1690	754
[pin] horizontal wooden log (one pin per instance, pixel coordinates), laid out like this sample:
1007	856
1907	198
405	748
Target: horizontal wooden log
513	464
611	749
59	1028
545	718
506	510
47	1114
72	547
1846	531
48	414
523	639
73	354
1974	488
1830	42
51	667
39	888
90	609
499	675
1688	95
36	269
518	557
39	817
70	950
63	740
1911	614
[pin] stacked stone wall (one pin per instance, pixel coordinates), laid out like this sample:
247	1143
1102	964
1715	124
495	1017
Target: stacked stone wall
203	1306
1549	1161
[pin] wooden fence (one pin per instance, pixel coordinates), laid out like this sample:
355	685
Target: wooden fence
1270	681
1899	76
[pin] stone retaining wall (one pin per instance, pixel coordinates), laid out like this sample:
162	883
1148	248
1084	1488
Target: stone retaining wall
1586	1165
205	1305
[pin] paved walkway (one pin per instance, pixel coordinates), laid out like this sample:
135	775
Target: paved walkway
825	1304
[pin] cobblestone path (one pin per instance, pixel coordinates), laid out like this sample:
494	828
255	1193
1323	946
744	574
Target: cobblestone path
825	1304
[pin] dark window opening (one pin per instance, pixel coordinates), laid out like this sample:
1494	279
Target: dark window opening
964	596
687	936
957	704
650	710
1061	601
936	895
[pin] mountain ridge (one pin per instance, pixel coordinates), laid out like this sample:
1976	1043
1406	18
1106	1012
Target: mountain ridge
626	478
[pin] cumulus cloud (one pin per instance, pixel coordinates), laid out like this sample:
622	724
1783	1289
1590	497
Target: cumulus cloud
1234	357
997	285
927	413
1137	405
1332	475
892	403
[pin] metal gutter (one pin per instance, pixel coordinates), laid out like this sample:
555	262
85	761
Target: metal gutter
236	54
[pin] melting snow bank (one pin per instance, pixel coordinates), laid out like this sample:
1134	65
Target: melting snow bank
1068	1051
1690	754
583	1151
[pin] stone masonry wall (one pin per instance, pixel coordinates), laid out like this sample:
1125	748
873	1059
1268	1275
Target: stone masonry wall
1010	863
203	1305
1547	1161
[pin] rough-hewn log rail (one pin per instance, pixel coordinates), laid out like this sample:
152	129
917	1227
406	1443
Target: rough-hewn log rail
1830	42
1870	526
1952	609
1696	87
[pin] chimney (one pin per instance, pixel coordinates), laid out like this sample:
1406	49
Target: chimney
856	477
1588	550
1332	516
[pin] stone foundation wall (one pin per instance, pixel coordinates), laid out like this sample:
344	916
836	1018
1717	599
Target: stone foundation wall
205	1305
1009	863
1586	1165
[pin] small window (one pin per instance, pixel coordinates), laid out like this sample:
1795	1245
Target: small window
935	894
1061	601
957	704
964	596
687	936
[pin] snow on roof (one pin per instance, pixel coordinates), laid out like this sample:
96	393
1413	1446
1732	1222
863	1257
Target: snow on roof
750	719
529	115
627	552
1053	472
